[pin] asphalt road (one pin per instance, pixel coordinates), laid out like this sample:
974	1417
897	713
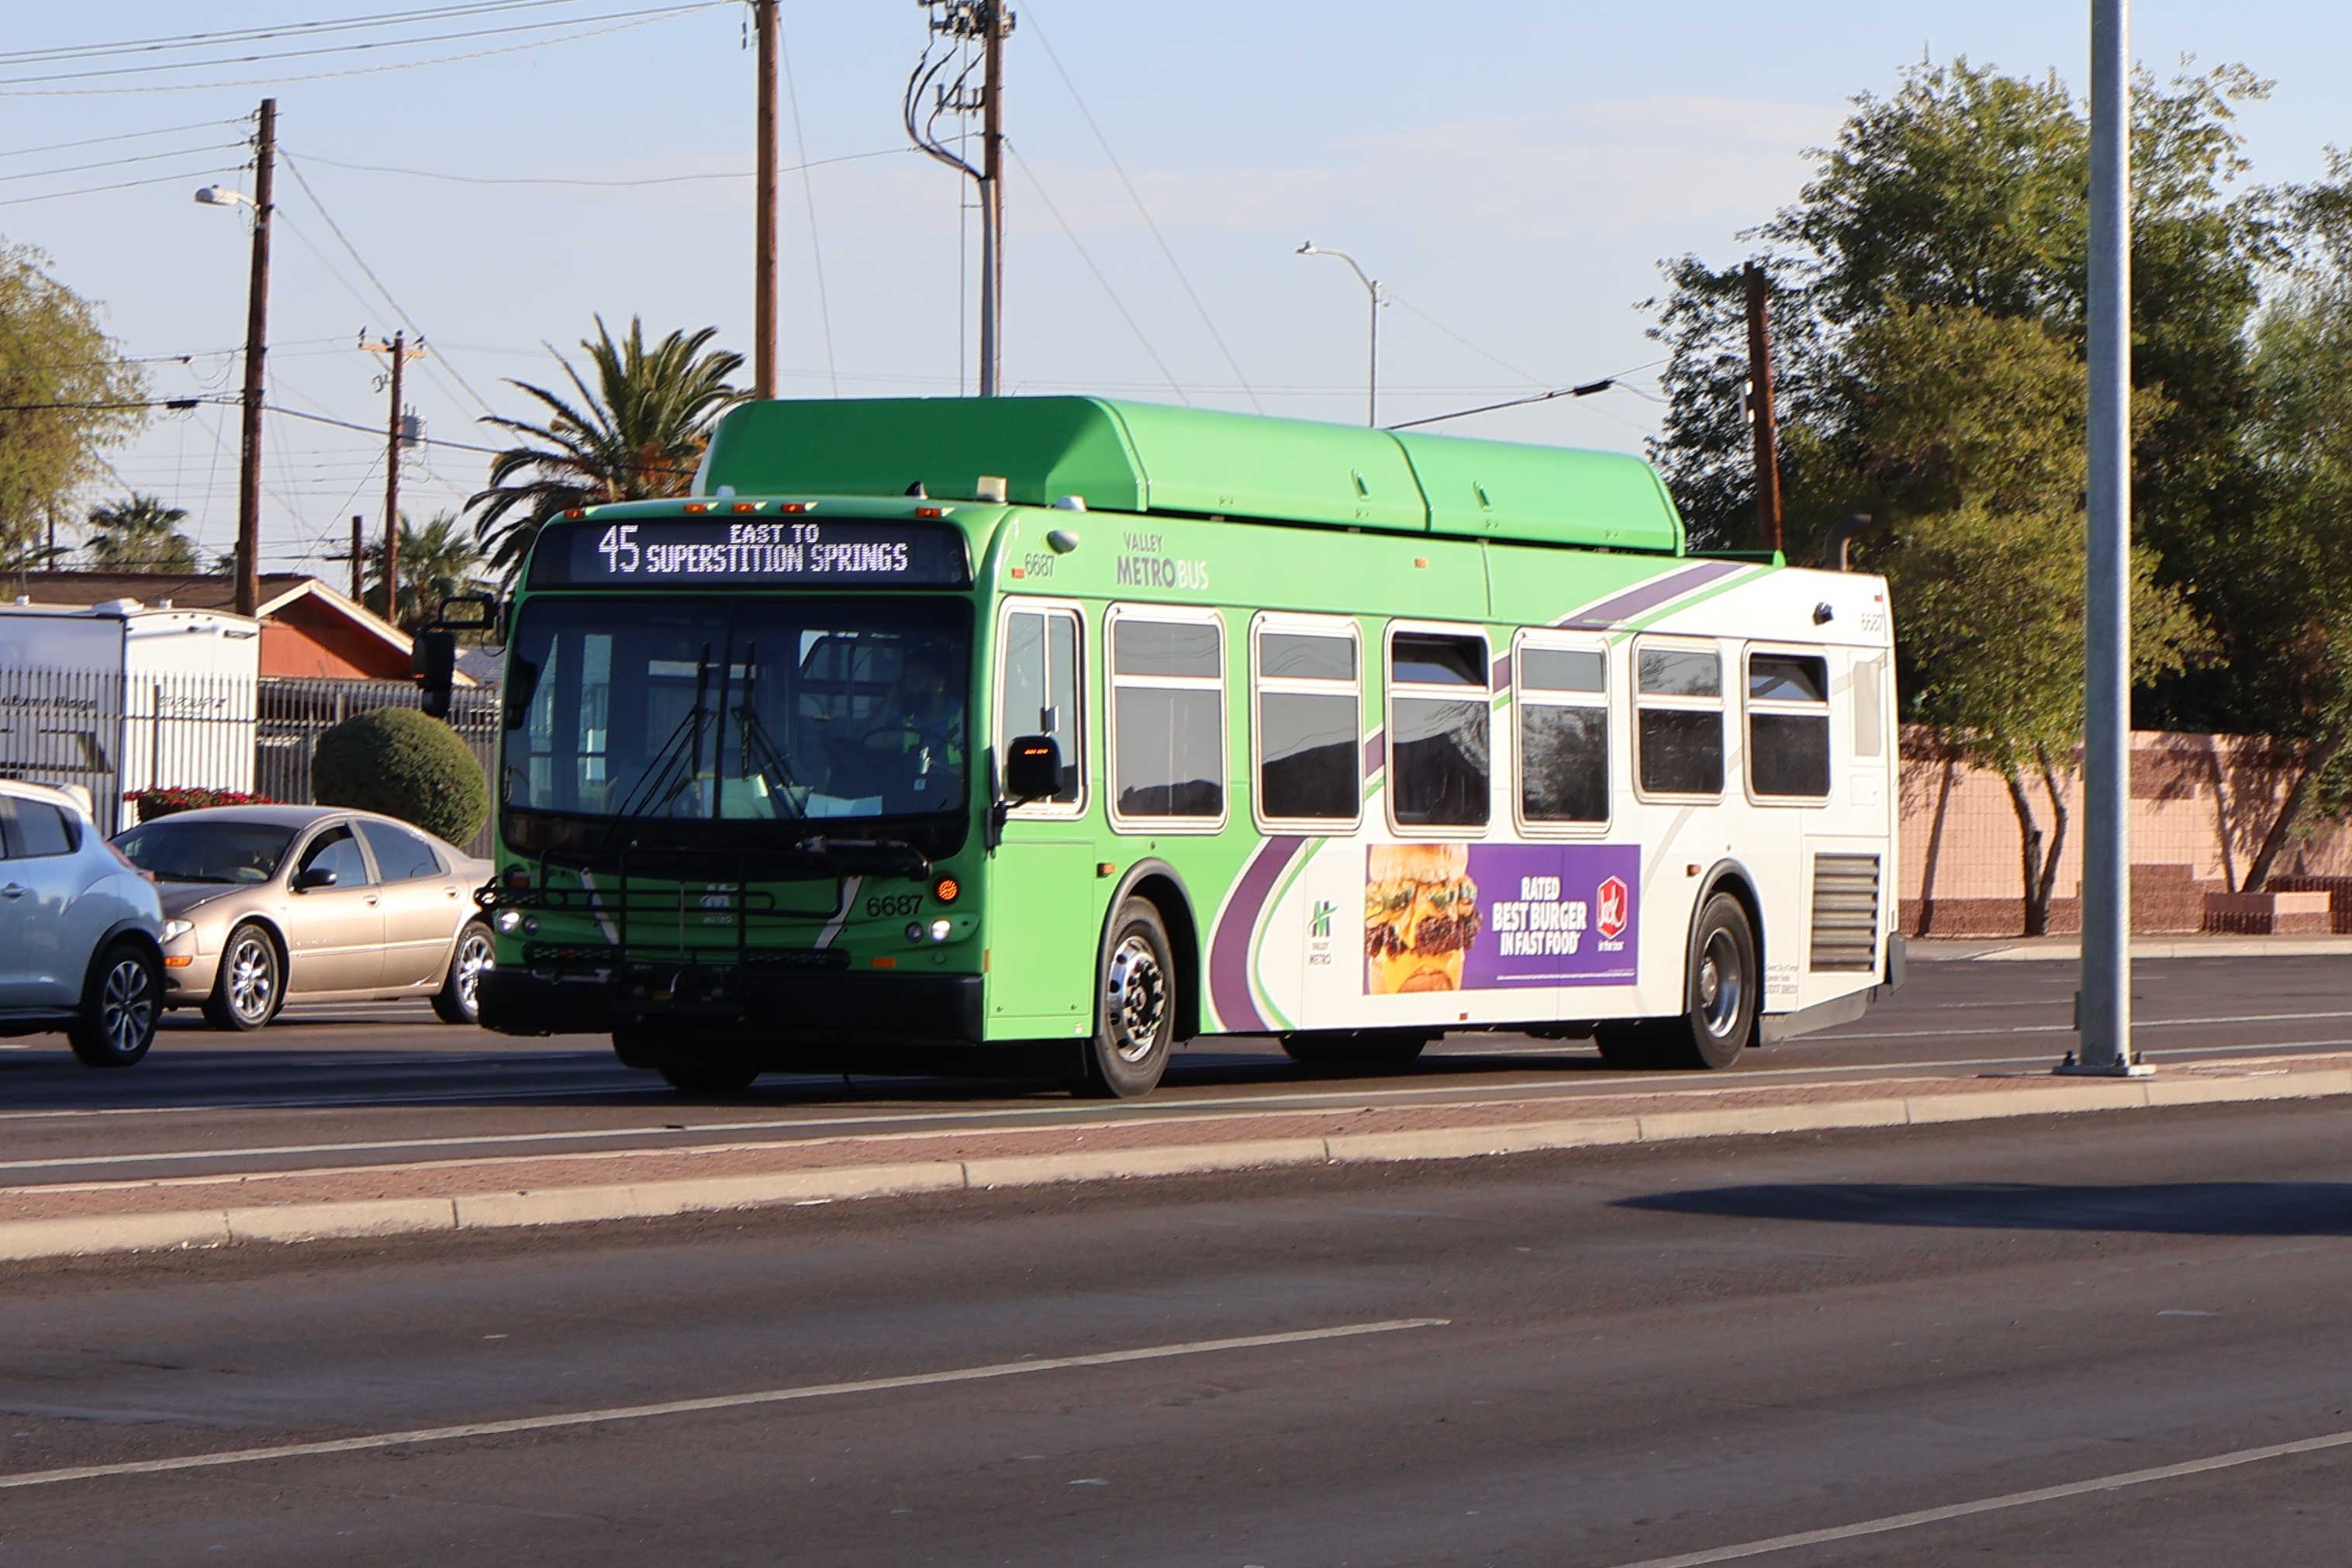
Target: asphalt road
1610	1357
358	1086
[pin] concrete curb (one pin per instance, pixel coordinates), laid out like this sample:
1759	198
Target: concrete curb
23	1240
2062	950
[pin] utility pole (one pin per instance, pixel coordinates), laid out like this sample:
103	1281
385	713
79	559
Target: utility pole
359	562
257	330
2103	1008
1766	431
764	250
997	21
401	355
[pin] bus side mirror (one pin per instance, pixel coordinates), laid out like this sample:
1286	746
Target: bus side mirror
436	669
1032	769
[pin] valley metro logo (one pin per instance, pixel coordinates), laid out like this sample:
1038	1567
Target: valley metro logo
1320	926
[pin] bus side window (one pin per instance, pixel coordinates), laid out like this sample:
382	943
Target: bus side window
1440	699
1563	708
1167	716
1789	726
1041	691
1309	728
1678	702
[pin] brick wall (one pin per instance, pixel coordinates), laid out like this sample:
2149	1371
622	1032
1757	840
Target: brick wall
2200	805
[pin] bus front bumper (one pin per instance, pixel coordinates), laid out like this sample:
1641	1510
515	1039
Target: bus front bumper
792	1006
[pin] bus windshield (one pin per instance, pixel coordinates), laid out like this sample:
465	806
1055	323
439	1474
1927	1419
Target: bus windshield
772	710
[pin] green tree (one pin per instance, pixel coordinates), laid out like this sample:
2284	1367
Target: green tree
437	562
1969	188
636	433
140	533
1973	449
66	396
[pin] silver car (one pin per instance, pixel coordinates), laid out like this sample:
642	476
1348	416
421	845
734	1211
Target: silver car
81	931
263	904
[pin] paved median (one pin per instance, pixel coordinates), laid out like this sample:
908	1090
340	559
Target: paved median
498	1193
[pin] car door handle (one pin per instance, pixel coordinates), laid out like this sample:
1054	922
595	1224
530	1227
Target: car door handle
14	892
371	900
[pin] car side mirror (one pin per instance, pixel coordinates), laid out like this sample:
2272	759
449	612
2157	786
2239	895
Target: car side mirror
1032	769
312	878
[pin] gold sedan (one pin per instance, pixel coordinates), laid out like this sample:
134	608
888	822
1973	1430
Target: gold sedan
263	904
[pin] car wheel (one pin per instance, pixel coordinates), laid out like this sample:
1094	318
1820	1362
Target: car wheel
251	985
119	1009
459	1000
1136	1002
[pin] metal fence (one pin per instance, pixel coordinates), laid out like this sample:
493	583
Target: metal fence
113	734
295	714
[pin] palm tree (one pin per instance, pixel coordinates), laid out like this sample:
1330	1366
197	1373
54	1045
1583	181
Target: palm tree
437	562
636	433
140	534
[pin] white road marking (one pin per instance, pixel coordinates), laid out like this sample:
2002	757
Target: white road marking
1996	1504
420	1436
2069	1028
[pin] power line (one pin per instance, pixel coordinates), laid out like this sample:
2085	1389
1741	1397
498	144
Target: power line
118	185
1117	304
119	162
641	19
1586	389
124	136
585	184
649	13
1465	342
1136	196
273	30
808	194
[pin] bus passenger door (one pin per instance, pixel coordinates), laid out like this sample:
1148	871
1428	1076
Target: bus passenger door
1039	916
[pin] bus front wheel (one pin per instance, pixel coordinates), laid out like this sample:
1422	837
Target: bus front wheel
1136	1005
1721	995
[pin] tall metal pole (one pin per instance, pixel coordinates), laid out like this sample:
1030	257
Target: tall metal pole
257	332
1766	427
392	488
994	24
2104	1008
1373	374
763	286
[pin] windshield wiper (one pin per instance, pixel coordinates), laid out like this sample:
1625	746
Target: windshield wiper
759	748
655	787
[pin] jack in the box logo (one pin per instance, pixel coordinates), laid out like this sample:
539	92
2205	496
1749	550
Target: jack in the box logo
1608	909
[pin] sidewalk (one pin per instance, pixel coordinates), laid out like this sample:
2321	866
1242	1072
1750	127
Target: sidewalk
632	1184
2069	949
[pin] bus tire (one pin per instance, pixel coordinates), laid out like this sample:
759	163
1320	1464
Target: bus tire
1136	1005
1356	1050
1725	986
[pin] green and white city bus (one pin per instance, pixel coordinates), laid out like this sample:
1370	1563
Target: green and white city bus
961	722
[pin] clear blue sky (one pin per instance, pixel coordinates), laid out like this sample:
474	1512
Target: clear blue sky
1511	169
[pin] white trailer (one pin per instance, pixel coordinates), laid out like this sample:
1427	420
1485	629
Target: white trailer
120	696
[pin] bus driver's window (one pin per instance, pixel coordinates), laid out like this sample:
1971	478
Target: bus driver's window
1041	689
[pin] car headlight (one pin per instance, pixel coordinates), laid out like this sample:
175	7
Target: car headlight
174	930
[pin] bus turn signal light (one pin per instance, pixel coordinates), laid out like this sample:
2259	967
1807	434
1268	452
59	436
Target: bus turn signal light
947	889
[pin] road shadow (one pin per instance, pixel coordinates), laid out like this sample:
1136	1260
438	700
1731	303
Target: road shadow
2166	1208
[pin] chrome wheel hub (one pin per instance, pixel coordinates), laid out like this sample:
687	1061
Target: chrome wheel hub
1722	985
252	979
127	1006
474	956
1136	999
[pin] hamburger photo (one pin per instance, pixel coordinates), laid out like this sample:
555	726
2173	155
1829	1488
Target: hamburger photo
1421	913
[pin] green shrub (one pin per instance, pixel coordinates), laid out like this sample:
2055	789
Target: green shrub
403	764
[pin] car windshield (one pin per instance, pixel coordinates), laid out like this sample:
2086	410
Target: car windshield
180	850
781	710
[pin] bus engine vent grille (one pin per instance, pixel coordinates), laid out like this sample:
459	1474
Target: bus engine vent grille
1846	911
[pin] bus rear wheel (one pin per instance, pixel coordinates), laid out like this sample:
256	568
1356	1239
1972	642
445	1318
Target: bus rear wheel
1135	1007
1356	1050
1720	1000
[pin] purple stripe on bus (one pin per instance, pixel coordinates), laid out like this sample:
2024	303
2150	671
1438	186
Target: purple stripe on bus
1229	945
1607	613
1500	680
1376	752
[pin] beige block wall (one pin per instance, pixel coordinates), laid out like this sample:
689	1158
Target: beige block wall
2200	808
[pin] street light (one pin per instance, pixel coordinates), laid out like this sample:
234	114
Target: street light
223	196
1372	286
257	332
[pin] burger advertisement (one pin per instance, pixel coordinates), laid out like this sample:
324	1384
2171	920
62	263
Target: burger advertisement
1477	917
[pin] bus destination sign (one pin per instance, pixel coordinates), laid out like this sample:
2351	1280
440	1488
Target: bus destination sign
728	552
